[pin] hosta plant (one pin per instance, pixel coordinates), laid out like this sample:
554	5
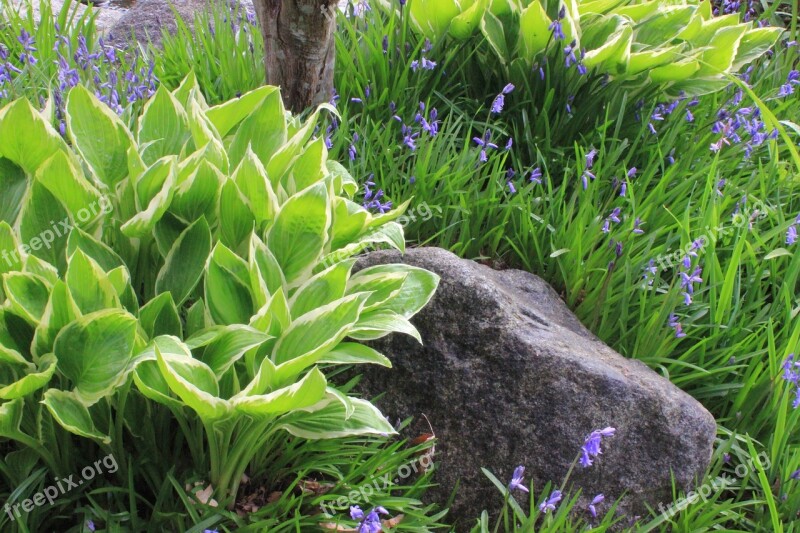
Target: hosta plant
203	261
678	45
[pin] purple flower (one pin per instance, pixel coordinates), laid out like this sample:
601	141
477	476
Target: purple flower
637	223
371	523
508	88
516	480
550	503
511	187
558	32
498	103
673	323
597	500
591	446
791	235
795	475
585	177
688	281
589	157
427	64
632	172
28	43
569	53
91	527
536	175
509	143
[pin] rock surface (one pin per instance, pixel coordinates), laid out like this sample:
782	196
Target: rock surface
105	17
148	18
508	376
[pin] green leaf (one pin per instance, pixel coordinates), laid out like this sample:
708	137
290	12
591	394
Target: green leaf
11	418
99	136
226	287
349	222
642	61
42	226
66	182
266	276
754	44
60	311
297	239
351	353
256	189
185	264
534	30
418	287
160	317
98	251
280	163
72	414
718	57
308	168
95	352
324	288
376	324
466	23
227	346
31	382
13	186
89	286
433	17
198	194
492	29
163	128
664	25
614	54
236	221
330	421
193	382
314	334
27	295
227	116
147	375
679	70
263	130
143	223
26	138
305	393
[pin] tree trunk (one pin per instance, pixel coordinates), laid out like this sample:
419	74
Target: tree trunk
299	49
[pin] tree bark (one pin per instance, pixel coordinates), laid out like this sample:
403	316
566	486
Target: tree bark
299	49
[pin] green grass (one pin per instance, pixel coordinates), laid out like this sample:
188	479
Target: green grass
743	321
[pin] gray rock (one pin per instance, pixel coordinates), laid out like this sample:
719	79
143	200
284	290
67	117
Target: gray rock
508	376
148	18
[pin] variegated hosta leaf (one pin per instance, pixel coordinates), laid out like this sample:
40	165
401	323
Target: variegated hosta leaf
329	420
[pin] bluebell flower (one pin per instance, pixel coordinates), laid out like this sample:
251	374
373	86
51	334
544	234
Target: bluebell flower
672	321
558	32
536	175
597	500
791	235
550	503
589	158
516	480
591	446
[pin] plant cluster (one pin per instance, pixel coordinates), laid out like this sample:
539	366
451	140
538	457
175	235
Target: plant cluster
205	257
